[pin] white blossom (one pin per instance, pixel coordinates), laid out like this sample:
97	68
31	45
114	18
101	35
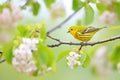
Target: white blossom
73	59
23	58
31	43
108	17
49	69
23	61
11	17
46	68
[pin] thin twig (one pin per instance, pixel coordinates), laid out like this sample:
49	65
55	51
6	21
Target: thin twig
60	25
26	3
83	44
3	60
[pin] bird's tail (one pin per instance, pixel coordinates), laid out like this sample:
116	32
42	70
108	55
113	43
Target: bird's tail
111	27
114	28
103	27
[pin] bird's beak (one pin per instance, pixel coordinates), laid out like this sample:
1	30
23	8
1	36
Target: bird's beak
68	31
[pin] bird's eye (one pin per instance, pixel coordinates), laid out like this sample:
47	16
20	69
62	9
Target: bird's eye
71	29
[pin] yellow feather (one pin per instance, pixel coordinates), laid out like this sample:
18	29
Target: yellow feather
83	33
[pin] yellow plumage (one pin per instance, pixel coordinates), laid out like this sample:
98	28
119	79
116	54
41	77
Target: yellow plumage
83	33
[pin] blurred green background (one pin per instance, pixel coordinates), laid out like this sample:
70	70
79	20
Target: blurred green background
63	72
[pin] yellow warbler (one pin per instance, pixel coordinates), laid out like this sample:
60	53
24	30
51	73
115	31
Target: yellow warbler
83	33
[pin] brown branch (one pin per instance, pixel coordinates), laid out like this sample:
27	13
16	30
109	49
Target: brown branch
60	25
81	44
3	60
26	3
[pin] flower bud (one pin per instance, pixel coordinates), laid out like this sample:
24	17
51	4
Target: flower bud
73	59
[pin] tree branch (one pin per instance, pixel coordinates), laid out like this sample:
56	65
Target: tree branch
60	25
27	1
3	60
81	44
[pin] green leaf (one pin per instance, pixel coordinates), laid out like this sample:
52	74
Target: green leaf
43	56
1	8
36	73
63	54
7	52
115	55
76	4
49	2
85	60
38	30
23	31
79	22
41	28
117	8
89	14
42	32
35	8
101	7
6	5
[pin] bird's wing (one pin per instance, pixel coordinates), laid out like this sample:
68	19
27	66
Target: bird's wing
89	29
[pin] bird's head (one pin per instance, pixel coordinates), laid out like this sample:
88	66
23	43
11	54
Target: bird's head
73	29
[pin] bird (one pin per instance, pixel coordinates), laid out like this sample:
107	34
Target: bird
83	33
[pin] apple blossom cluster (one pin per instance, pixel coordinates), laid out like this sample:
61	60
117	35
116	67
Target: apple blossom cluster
73	60
23	59
10	17
58	10
108	17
